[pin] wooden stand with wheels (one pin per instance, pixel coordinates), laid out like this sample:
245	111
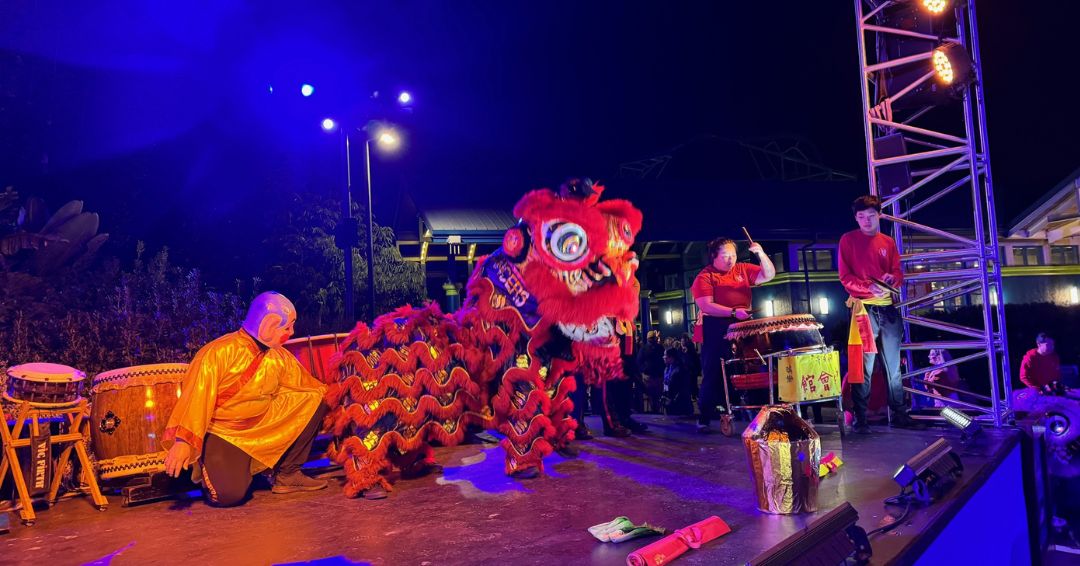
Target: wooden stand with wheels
26	413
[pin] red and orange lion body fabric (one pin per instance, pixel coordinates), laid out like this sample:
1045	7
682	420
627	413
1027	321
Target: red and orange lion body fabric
557	299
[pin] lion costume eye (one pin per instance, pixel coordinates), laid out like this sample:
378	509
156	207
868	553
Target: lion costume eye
567	241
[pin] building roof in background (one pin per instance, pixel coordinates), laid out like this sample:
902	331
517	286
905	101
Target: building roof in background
1057	212
471	225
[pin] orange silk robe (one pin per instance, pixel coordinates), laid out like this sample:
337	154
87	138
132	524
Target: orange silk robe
261	411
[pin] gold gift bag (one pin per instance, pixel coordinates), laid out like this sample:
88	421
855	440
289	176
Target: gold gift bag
784	452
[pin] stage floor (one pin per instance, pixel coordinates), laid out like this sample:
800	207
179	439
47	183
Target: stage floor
473	514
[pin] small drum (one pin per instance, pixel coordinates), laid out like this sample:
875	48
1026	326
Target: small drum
315	353
44	385
128	417
746	381
775	334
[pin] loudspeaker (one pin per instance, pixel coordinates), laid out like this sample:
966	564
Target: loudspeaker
891	179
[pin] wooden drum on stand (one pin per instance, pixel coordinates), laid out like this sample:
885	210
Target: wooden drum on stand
130	409
775	334
44	385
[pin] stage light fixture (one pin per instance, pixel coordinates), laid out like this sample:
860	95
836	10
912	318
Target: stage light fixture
953	65
937	71
832	539
935	6
405	98
328	125
1057	423
930	472
307	90
967	425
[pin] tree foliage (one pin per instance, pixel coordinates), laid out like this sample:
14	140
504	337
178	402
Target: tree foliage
310	267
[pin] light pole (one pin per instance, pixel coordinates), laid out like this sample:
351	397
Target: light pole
388	140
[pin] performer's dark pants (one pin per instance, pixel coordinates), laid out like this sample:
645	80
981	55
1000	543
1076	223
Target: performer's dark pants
888	332
580	397
619	396
226	469
714	350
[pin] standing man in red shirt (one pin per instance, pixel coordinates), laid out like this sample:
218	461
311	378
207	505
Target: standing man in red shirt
867	254
1041	367
722	292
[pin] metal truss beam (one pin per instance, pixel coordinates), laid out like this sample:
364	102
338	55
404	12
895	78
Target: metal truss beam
950	146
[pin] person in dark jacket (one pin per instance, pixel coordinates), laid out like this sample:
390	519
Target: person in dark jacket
677	384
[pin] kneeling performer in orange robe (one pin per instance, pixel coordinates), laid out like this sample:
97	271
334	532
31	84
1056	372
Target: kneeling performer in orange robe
247	405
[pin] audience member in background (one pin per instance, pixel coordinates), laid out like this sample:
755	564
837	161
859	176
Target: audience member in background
677	384
948	376
1041	367
692	361
651	362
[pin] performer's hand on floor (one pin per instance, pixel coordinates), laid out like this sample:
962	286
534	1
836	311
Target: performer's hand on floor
740	314
178	458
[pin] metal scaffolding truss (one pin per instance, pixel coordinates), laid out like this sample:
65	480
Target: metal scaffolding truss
928	159
786	160
774	159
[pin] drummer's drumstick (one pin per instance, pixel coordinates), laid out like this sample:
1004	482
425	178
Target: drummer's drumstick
748	238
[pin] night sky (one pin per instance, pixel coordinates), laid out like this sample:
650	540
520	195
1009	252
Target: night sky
162	118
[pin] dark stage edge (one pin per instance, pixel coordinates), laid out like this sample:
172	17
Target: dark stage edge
473	514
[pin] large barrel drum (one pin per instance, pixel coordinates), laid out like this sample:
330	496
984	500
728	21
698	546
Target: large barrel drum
128	416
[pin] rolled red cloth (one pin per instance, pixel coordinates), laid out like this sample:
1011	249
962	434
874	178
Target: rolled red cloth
672	546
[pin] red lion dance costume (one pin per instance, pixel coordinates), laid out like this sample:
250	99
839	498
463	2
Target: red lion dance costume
556	299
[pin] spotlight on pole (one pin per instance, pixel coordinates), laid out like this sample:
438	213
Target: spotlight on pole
405	98
930	472
328	125
307	90
387	138
967	425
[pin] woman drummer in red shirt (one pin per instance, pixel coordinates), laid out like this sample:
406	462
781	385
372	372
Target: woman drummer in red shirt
722	293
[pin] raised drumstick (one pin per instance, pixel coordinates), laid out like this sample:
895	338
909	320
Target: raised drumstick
748	238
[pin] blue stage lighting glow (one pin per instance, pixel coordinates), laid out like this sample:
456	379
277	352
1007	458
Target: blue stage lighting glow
404	97
307	90
328	125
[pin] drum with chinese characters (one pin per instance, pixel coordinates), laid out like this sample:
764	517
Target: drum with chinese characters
775	334
315	353
130	409
44	385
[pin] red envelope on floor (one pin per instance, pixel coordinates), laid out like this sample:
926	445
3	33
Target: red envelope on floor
672	546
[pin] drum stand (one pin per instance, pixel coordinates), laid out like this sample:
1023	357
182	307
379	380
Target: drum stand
726	426
74	438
